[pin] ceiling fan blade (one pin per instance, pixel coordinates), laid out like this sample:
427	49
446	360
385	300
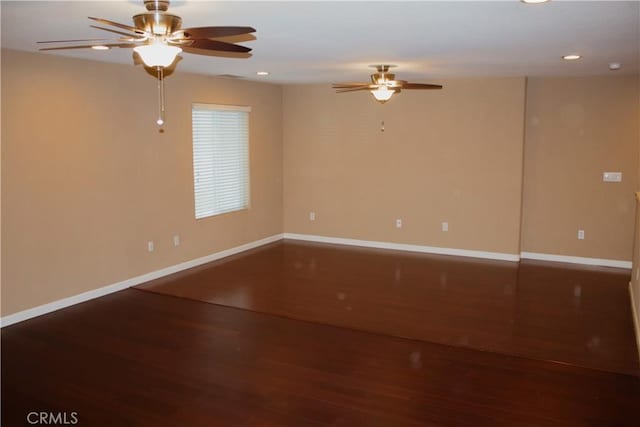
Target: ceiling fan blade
216	53
116	24
72	41
420	86
207	44
353	89
87	46
214	32
349	85
122	33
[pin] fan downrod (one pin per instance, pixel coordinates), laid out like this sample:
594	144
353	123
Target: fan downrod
382	68
156	5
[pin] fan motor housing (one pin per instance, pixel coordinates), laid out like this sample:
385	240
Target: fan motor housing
380	78
159	23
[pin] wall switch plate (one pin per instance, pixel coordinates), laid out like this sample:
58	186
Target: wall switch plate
580	234
398	223
445	226
150	246
176	240
312	216
612	176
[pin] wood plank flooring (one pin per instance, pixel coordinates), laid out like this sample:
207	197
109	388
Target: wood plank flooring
575	315
141	359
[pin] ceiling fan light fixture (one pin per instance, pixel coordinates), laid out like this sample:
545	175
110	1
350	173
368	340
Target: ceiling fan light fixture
157	54
382	94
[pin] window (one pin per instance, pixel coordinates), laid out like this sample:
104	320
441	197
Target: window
220	158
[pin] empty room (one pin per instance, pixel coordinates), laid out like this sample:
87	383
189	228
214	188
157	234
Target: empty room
299	213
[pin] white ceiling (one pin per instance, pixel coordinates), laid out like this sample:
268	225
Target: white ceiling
304	42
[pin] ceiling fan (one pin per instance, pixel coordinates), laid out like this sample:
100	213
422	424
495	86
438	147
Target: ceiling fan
156	30
383	84
157	37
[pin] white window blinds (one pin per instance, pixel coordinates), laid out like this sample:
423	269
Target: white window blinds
220	158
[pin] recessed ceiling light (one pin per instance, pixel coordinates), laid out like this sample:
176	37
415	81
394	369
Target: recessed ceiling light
262	73
534	1
572	57
615	66
100	47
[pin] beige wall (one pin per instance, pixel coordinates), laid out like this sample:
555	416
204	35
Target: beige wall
578	128
87	178
453	155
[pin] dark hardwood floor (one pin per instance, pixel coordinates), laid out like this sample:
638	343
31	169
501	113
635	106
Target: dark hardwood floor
137	358
545	311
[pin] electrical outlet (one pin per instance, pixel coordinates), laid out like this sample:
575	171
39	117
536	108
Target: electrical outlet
176	240
445	226
580	234
150	246
398	223
612	176
312	216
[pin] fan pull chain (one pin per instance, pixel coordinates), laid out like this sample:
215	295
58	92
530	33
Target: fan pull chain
160	120
382	126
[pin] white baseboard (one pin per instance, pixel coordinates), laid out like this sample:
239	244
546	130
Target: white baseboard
404	247
577	260
105	290
636	319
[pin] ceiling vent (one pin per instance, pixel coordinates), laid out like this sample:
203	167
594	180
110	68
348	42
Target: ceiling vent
229	76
